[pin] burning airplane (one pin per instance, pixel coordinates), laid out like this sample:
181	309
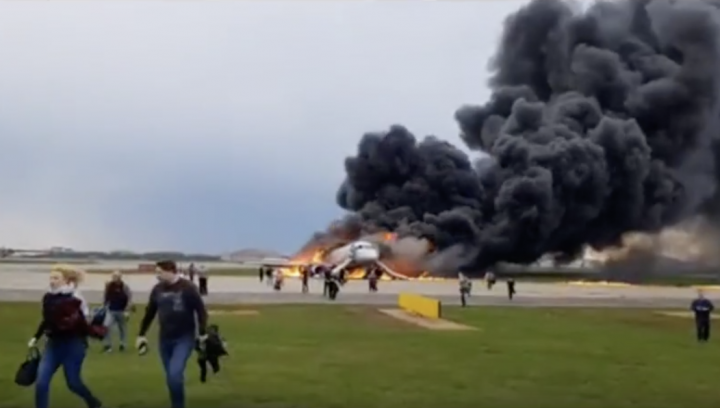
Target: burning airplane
356	258
359	257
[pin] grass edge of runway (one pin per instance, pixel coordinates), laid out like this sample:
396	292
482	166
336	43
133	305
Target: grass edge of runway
549	357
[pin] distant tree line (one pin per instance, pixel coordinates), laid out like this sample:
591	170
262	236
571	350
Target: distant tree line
131	256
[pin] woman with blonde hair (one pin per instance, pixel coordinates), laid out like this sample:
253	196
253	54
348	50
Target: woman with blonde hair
65	325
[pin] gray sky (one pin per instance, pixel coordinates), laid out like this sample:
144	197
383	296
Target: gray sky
212	126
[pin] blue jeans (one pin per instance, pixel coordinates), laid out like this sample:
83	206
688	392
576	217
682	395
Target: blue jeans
70	354
113	318
174	354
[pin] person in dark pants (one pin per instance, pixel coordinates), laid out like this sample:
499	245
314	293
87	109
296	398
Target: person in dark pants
333	286
278	280
192	271
490	280
65	325
261	273
465	288
510	288
327	279
117	300
178	305
373	280
203	281
305	276
342	278
703	308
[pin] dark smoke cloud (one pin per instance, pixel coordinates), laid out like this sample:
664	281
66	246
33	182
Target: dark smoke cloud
600	122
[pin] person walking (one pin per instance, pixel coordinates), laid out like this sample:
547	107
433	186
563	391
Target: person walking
183	322
510	288
65	325
373	276
117	300
490	279
203	280
192	271
278	280
327	278
305	277
465	288
702	307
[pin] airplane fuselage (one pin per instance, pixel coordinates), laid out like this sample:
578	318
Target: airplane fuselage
358	253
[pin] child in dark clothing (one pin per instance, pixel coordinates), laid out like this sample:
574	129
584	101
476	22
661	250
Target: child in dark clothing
213	349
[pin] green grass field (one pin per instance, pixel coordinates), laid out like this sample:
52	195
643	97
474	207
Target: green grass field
350	357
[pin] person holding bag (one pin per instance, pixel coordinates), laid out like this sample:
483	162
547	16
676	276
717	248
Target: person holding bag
182	318
65	325
28	370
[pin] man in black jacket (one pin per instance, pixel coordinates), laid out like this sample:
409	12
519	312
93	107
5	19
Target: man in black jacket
178	305
327	278
703	308
117	301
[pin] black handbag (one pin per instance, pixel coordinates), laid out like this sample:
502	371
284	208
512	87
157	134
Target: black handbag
28	370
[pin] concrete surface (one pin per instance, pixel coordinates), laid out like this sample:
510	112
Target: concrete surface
25	286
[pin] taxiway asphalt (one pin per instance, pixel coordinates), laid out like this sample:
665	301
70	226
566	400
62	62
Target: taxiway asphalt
28	286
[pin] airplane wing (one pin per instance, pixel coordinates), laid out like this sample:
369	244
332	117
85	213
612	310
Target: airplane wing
336	270
279	264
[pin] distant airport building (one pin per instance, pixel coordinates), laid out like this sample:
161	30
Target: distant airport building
60	250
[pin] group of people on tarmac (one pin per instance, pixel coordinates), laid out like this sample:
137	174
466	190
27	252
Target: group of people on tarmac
332	282
67	324
272	276
200	272
490	280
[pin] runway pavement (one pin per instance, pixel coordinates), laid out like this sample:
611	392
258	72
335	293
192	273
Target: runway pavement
28	286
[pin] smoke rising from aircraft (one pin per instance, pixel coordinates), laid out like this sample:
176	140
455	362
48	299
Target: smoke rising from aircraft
601	121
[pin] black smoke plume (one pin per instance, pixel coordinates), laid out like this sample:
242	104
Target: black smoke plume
601	121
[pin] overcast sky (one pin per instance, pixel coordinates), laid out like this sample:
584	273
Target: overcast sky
213	126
